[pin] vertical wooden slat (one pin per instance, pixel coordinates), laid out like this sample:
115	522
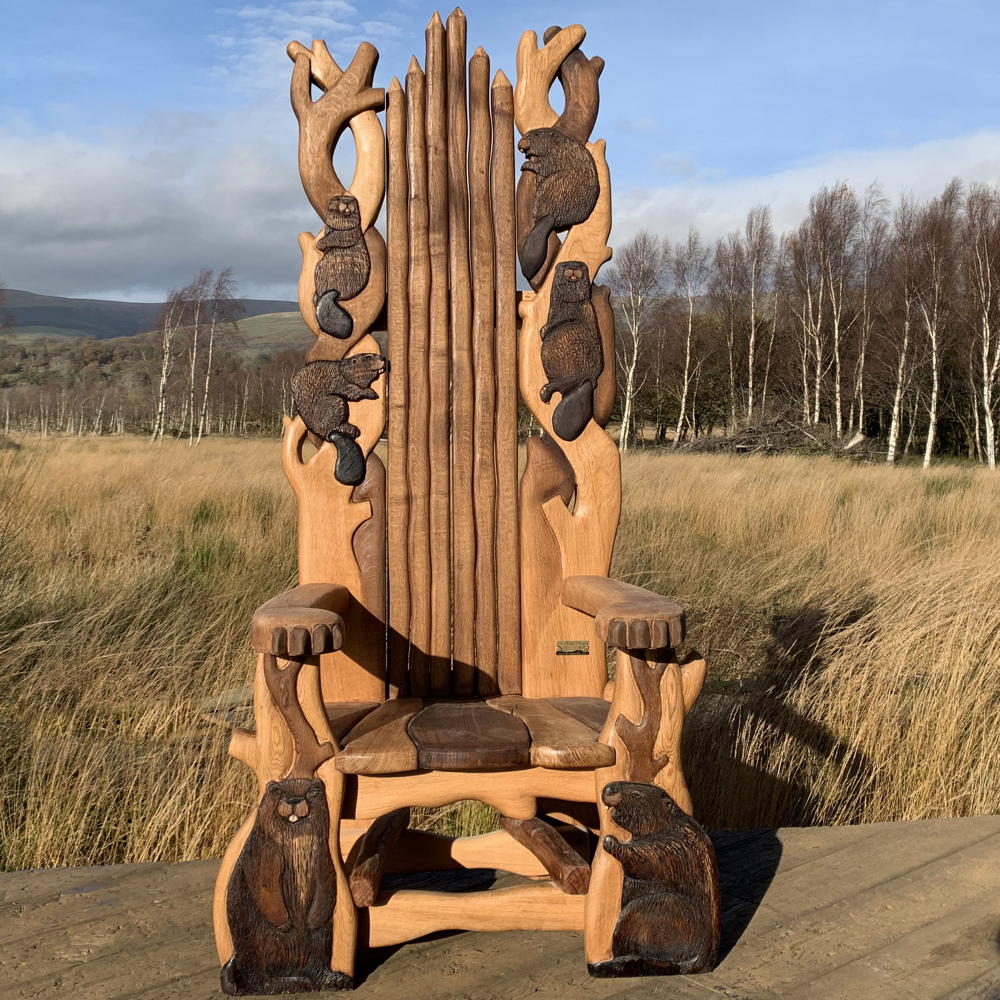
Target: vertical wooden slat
417	459
439	358
463	523
508	561
484	475
399	335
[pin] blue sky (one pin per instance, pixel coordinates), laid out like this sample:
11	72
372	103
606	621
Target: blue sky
140	141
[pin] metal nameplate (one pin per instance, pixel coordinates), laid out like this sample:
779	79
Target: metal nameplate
572	647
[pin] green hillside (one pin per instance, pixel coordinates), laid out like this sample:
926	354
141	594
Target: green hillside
52	315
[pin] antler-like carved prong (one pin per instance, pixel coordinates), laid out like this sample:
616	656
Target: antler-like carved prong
536	71
348	99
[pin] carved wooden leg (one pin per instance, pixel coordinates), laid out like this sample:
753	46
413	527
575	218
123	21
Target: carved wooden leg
283	910
569	871
653	904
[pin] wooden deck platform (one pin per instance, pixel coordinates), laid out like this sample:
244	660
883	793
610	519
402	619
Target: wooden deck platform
904	910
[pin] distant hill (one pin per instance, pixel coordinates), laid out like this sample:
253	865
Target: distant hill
52	315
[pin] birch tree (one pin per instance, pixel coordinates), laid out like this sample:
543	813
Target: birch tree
688	267
755	262
635	281
938	231
981	277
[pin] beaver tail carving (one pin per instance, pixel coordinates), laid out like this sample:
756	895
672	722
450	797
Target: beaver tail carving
574	411
350	467
332	317
535	248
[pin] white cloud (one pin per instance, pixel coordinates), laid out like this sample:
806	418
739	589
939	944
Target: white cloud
716	206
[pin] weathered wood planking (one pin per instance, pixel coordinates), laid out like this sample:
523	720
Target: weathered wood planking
463	519
418	437
397	280
484	479
439	358
507	544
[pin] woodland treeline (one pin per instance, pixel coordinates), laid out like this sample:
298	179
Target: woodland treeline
187	378
871	318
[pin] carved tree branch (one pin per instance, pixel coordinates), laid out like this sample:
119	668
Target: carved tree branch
640	737
282	685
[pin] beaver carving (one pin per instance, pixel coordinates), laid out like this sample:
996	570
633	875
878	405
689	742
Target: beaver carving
281	896
571	350
344	268
322	390
566	190
670	916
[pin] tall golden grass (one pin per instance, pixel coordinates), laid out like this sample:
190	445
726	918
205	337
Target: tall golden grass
851	617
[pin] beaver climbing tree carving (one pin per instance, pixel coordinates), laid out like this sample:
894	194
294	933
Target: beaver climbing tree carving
322	391
566	190
344	268
670	916
572	355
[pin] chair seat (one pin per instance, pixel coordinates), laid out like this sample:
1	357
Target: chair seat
481	734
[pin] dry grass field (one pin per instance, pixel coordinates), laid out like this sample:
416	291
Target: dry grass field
851	616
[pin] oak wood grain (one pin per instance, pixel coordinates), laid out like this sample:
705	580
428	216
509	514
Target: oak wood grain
626	616
484	459
468	735
592	712
418	436
507	543
379	743
463	389
557	739
439	358
398	315
373	852
569	871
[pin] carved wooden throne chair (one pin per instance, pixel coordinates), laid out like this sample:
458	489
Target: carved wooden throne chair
447	640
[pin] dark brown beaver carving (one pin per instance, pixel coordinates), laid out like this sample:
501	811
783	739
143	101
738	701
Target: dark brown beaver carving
343	270
670	916
322	390
281	896
571	350
566	190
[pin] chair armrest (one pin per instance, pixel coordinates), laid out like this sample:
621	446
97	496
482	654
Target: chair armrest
301	622
626	616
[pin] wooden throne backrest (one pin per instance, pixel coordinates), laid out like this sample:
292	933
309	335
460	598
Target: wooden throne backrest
455	563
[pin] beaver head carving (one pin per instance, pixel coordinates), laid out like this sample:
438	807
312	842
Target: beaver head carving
293	808
343	213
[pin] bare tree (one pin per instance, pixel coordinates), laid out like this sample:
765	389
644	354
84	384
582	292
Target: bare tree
872	242
170	323
981	273
938	233
755	262
905	279
836	216
725	293
226	310
688	264
635	280
807	302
